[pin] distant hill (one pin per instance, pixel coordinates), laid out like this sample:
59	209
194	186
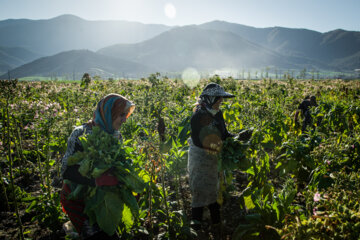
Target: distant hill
75	63
152	47
68	32
192	46
11	57
325	47
348	63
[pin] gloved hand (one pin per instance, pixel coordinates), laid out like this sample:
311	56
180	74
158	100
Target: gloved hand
245	135
106	179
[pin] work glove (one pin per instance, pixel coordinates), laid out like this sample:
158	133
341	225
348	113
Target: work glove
106	179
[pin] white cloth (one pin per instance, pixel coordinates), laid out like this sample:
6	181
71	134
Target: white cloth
203	176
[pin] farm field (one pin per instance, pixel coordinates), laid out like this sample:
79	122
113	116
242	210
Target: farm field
280	184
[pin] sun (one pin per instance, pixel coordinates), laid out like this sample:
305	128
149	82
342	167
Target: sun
170	10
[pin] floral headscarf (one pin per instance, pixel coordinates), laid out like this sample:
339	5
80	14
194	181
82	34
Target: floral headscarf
210	95
110	106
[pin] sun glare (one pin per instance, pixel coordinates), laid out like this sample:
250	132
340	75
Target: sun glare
190	77
170	10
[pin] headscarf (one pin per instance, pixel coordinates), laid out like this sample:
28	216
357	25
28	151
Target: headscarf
108	108
207	102
210	95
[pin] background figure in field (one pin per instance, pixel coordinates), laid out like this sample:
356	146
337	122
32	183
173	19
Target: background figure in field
305	107
111	112
208	131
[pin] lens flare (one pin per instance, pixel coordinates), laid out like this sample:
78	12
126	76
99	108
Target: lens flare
170	10
190	77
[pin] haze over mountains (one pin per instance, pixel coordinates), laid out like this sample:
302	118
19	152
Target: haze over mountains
11	57
119	48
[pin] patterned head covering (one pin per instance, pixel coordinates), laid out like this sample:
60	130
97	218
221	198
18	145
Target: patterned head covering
108	108
215	90
210	95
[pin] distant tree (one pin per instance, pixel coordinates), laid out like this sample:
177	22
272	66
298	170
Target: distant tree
154	79
313	74
85	80
303	73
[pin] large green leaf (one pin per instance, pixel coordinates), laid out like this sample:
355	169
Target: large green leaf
92	203
78	193
127	217
85	166
246	231
128	198
248	202
109	212
130	179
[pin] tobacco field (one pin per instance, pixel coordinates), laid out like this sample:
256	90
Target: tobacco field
282	183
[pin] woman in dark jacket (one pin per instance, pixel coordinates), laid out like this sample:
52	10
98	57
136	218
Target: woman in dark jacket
111	112
208	131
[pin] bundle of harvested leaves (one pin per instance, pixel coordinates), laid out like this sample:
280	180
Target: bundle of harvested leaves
233	155
108	206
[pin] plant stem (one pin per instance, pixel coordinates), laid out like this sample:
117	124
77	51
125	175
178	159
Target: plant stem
3	125
11	172
17	142
23	158
150	197
165	197
4	190
38	159
150	209
178	189
47	166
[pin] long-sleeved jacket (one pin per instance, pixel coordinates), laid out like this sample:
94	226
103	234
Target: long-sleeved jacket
207	130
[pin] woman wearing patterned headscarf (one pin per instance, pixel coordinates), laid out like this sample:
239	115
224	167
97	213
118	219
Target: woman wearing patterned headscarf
111	112
208	130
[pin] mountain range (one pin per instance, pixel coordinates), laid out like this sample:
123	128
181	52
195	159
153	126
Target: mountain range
118	48
73	64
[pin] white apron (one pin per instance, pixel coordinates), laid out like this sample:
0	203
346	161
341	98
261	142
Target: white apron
203	176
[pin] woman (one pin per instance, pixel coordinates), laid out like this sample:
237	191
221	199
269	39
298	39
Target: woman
111	112
208	130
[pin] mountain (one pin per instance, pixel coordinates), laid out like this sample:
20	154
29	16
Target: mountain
207	47
69	32
75	63
325	47
192	46
14	57
348	63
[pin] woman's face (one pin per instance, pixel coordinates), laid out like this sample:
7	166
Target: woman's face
119	120
216	105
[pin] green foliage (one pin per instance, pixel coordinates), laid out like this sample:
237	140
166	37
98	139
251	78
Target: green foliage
276	151
233	155
334	212
154	79
270	213
85	80
46	210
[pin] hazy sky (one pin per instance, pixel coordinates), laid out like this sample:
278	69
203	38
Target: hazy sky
319	15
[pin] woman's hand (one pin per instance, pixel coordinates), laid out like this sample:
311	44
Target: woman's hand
106	179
